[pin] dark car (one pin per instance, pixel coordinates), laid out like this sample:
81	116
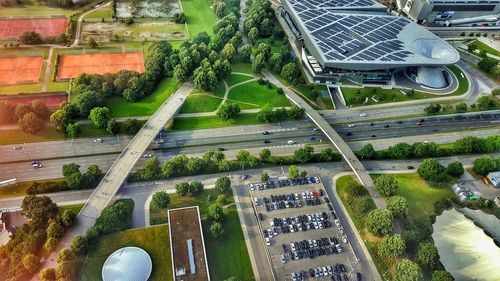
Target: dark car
410	167
261	217
399	122
358	276
372	124
266	133
374	136
386	126
348	134
267	141
221	149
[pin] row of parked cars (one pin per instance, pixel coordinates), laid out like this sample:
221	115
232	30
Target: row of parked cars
283	182
336	272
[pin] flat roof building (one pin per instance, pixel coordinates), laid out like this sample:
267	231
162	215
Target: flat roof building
360	37
494	179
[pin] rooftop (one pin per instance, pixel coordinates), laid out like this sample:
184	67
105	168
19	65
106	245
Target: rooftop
361	35
127	264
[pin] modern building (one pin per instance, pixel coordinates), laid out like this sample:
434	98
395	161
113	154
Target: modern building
127	264
446	12
494	179
360	42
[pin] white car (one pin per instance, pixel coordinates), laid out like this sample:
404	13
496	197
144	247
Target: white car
283	259
290	142
362	114
351	125
148	155
268	241
344	239
97	140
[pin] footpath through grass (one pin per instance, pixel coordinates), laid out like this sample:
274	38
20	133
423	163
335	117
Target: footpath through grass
154	240
119	107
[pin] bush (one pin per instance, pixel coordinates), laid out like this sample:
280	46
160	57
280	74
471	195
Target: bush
222	184
455	169
431	170
484	165
160	200
391	246
379	222
386	185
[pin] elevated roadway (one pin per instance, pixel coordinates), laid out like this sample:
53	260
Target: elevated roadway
335	138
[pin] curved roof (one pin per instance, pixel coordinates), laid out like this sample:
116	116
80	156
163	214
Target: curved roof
364	37
127	264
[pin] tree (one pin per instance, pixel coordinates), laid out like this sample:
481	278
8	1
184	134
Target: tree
73	130
113	127
484	165
265	50
265	154
432	108
21	110
258	63
47	274
441	275
412	239
246	52
131	126
431	170
227	111
31	38
266	113
392	246
327	155
222	184
85	101
152	169
379	222
204	77
65	254
55	230
276	62
93	176
264	177
68	217
38	207
75	180
30	262
228	52
216	230
386	185
215	212
196	188
6	112
291	72
65	271
99	117
367	152
427	255
252	35
469	144
40	109
488	65
80	245
224	165
92	43
398	205
160	200
406	270
182	188
401	151
179	74
486	102
303	155
30	123
455	169
461	107
60	119
293	172
69	169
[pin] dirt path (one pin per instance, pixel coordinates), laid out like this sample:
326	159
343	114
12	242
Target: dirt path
48	66
80	21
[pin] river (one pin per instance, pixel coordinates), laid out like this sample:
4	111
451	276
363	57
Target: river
465	250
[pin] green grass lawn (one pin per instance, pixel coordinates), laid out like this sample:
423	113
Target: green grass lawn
20	88
19	188
199	16
243	67
321	102
200	102
463	83
31	8
17	136
177	201
25	51
74	207
220	91
481	46
205	122
234	79
228	256
106	12
154	240
254	93
119	107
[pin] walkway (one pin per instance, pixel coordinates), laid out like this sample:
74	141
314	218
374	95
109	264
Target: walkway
80	21
337	141
114	178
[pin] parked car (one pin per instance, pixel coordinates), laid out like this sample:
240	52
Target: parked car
97	140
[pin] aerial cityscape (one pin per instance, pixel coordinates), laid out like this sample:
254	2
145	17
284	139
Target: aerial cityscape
239	140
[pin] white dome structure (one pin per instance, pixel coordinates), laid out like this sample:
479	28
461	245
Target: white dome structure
127	264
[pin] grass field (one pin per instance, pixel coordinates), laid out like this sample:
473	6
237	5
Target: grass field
119	107
75	208
228	256
31	8
200	102
205	122
17	136
321	102
481	46
106	12
253	92
19	188
154	240
199	16
243	67
234	79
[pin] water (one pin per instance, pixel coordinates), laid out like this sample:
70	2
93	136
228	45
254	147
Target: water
465	250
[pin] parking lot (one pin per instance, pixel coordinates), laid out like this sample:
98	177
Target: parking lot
302	233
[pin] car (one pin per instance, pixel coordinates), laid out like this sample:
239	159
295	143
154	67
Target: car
283	259
159	141
148	155
221	149
275	231
17	147
410	167
326	199
267	141
256	201
268	241
362	114
399	122
374	136
290	142
315	129
37	165
372	124
312	138
97	140
270	233
244	177
358	276
419	123
266	133
421	120
261	217
348	134
351	125
386	126
344	239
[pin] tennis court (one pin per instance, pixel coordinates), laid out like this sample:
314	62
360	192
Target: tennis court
14	28
20	70
71	66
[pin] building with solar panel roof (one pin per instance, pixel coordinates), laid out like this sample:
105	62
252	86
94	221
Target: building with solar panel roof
358	40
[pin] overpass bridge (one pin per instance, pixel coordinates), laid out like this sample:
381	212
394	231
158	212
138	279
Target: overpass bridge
334	137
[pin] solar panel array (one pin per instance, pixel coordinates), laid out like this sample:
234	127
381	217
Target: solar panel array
336	3
345	36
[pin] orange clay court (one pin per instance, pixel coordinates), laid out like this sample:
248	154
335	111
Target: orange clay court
20	70
71	66
13	28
